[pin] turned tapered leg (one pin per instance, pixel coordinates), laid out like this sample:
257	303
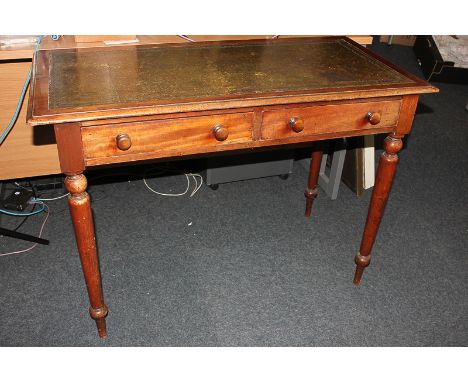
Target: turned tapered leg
311	190
80	210
383	182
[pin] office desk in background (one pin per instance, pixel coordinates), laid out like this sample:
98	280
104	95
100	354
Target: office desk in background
125	104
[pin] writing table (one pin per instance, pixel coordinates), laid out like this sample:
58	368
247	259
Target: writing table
125	104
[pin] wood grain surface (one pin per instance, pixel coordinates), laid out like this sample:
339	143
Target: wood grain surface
170	137
325	118
27	151
72	85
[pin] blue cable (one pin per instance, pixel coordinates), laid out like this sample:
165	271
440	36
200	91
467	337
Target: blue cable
10	126
20	101
22	214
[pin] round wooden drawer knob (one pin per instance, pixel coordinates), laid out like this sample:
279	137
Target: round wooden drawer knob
373	118
296	124
123	141
220	132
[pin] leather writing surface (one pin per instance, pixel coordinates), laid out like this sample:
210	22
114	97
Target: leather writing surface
83	78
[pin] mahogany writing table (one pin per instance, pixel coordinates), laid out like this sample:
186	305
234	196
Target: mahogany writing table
125	104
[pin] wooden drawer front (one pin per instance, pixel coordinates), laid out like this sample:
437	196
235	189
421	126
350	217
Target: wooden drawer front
166	137
329	118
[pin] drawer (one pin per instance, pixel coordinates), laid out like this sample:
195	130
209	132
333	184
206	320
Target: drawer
296	122
169	137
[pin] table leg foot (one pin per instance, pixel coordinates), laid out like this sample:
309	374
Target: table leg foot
311	191
82	218
383	183
361	263
99	315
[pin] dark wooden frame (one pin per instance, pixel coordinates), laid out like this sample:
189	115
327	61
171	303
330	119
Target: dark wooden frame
70	124
39	113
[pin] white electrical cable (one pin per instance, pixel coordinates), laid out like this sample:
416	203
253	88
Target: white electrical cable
20	186
165	194
162	170
50	199
197	187
185	37
40	233
42	199
188	176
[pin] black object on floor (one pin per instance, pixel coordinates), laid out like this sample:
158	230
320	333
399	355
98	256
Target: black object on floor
22	236
18	199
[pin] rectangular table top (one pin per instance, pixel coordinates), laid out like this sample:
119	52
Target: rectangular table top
71	84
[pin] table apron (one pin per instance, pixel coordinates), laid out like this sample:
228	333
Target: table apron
241	129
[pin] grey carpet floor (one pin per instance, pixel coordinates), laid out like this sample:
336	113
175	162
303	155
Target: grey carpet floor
241	266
